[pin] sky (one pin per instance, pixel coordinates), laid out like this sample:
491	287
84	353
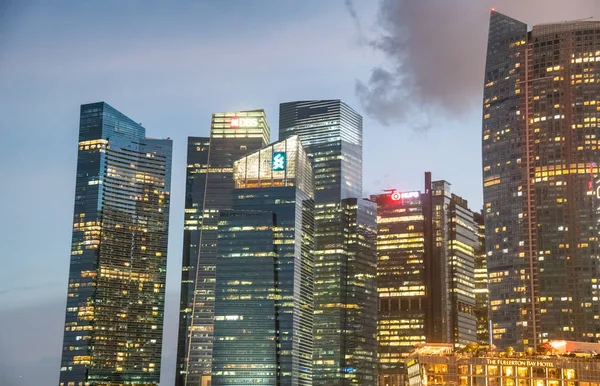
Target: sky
413	69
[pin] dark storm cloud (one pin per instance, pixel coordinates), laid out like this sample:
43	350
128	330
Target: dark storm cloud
434	54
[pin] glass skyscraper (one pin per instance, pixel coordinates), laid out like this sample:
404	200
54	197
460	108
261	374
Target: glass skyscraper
540	155
115	304
400	280
331	132
482	301
345	325
427	243
195	188
264	271
209	189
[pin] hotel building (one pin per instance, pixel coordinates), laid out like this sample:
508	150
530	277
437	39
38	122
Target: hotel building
557	363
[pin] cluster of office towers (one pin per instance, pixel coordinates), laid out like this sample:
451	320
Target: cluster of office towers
290	277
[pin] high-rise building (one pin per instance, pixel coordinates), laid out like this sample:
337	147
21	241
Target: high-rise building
400	280
345	325
427	243
115	304
196	173
540	154
331	133
463	247
264	271
209	189
482	304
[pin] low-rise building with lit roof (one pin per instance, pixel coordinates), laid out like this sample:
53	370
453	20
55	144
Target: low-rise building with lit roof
556	363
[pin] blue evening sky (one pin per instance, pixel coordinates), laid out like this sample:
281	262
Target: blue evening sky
170	65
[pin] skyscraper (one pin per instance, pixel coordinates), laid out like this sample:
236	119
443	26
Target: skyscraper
345	326
209	189
482	301
331	132
115	303
195	188
426	243
540	154
264	275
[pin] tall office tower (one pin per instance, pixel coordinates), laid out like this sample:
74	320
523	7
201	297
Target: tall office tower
426	246
463	250
264	279
195	187
116	295
482	304
540	154
331	132
345	326
209	188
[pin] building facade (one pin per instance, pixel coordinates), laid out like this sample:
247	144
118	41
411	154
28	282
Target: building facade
264	271
482	308
463	251
400	279
331	133
441	365
427	243
195	188
540	156
209	189
345	325
115	302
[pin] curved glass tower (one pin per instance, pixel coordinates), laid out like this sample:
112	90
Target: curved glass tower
540	155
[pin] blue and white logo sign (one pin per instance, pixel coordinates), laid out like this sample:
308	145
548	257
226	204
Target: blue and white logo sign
279	161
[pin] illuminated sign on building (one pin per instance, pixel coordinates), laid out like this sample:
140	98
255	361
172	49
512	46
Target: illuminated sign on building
397	196
243	122
279	161
521	362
